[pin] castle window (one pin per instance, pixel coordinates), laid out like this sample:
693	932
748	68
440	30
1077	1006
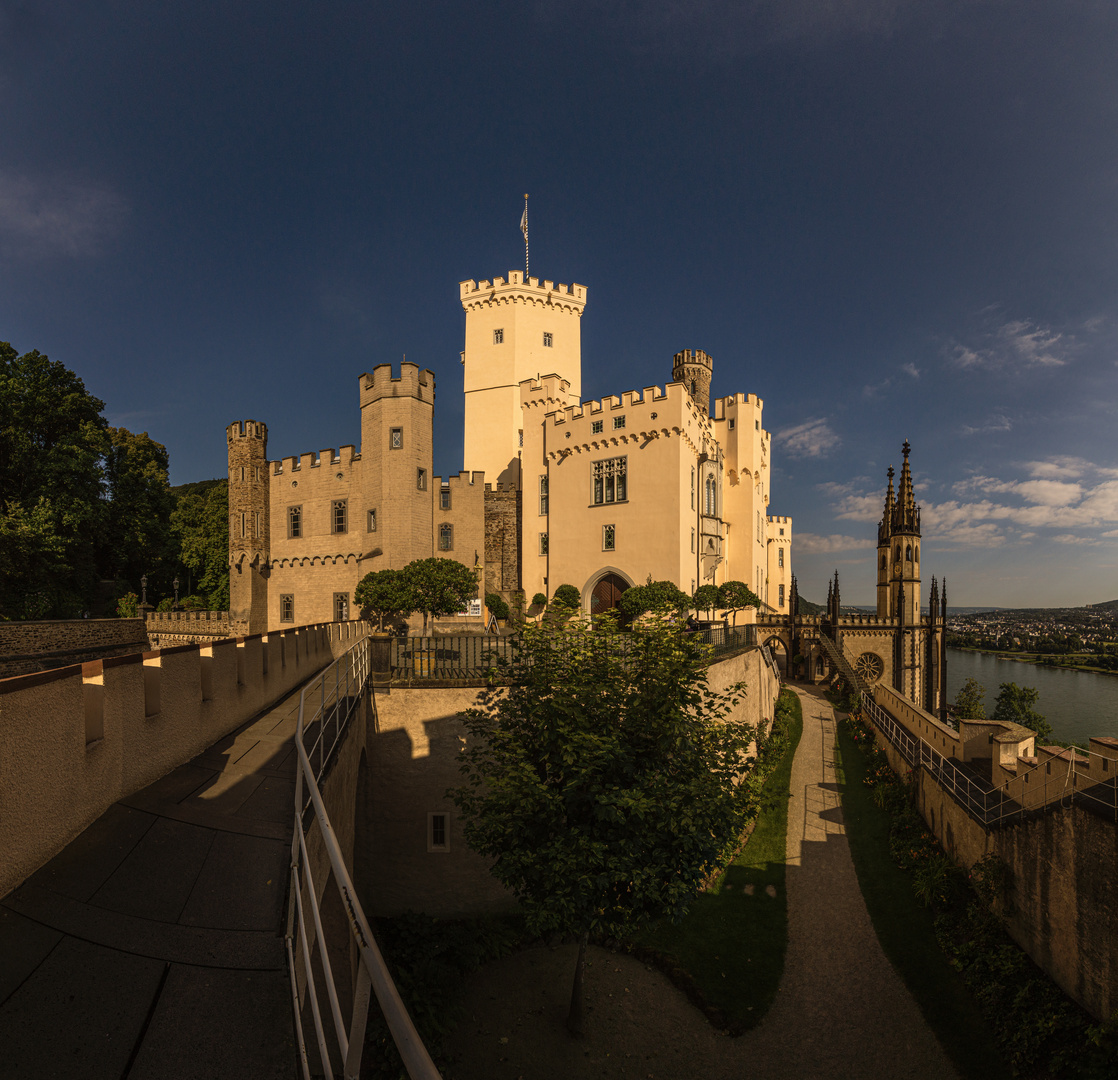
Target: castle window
438	832
294	522
372	526
609	537
692	387
692	489
595	427
421	479
609	480
287	607
908	553
498	337
548	341
444	498
338	516
257	528
757	424
781	532
618	423
780	559
917	552
341	606
710	498
396	438
242	474
543	495
692	541
543	543
731	423
520	438
780	595
446	537
244	529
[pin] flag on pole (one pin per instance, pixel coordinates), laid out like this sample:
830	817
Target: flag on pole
524	223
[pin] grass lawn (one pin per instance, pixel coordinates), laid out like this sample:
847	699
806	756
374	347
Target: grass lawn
906	932
732	941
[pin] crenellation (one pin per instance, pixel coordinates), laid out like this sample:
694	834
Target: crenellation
411	382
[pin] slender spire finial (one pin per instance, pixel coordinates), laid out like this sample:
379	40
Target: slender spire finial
524	230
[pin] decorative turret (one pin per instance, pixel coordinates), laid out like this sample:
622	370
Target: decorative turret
693	368
898	547
906	514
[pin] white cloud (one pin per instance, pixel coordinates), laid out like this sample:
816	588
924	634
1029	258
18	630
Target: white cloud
911	369
1016	344
994	423
56	217
812	544
811	439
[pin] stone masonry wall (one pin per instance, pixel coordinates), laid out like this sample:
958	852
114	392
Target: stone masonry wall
39	646
502	540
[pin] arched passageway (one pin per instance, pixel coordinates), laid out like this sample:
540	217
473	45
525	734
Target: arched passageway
606	593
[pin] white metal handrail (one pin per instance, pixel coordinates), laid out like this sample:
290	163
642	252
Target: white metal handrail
335	696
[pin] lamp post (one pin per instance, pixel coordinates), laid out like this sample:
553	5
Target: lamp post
144	589
175	583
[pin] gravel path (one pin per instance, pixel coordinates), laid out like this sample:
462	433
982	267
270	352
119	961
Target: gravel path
842	1012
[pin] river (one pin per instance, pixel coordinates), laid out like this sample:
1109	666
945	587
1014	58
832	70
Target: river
1078	704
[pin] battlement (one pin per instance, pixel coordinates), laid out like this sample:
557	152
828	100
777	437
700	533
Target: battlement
343	456
780	520
501	488
246	429
517	288
648	401
725	406
411	382
545	389
465	478
692	356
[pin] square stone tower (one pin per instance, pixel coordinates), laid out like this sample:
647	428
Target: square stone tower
515	330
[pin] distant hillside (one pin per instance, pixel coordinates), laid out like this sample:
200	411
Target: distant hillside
198	487
1106	605
808	608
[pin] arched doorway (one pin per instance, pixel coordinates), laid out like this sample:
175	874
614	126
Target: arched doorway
779	653
606	594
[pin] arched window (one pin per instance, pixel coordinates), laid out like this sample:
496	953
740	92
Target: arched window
884	561
908	553
692	387
710	508
898	556
917	552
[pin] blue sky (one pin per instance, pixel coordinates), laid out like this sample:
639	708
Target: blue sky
889	218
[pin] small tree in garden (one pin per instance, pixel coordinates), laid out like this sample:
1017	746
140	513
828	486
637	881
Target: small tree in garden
707	598
604	784
736	595
439	587
497	606
568	596
384	593
654	596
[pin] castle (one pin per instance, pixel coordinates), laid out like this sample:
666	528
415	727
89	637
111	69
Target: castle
601	495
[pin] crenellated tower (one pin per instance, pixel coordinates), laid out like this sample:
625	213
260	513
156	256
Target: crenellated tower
693	368
397	414
518	329
249	507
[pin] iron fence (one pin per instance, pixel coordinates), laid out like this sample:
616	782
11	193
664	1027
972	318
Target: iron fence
327	705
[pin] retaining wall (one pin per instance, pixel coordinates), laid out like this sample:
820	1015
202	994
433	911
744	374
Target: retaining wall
1063	862
77	739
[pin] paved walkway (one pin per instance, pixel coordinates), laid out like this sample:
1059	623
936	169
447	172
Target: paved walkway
151	948
842	1013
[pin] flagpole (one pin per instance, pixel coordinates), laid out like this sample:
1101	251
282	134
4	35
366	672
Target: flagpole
524	230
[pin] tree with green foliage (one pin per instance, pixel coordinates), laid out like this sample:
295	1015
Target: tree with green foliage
200	523
385	594
660	597
136	538
52	442
970	701
439	587
707	598
568	596
497	606
604	783
734	596
1015	706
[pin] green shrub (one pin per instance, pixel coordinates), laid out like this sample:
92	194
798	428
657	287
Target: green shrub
497	606
568	596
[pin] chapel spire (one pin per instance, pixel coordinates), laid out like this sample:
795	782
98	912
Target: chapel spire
906	514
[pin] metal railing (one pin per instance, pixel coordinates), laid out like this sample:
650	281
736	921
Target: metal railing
454	656
326	706
1078	783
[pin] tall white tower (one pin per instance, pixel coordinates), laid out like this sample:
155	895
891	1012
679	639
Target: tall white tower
515	330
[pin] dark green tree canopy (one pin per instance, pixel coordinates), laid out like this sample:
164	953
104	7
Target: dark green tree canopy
385	594
568	596
707	598
1015	705
970	701
200	524
736	595
655	596
604	785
